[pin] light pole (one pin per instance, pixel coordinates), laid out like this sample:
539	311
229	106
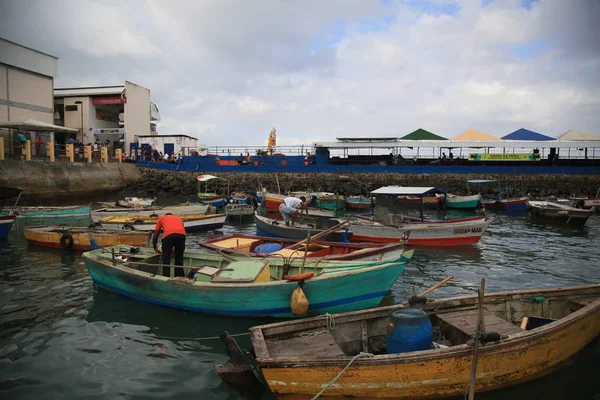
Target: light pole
80	105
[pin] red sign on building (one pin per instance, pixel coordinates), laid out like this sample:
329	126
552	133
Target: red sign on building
109	100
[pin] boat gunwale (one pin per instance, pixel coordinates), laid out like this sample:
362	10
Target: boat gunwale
336	273
82	230
265	360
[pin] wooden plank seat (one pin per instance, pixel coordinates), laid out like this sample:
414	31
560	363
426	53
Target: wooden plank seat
315	343
466	323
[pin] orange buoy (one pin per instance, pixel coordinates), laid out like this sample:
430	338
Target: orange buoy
299	277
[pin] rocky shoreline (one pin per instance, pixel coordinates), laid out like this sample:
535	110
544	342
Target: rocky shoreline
162	183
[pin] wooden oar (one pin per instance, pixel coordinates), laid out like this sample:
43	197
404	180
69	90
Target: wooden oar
319	235
480	330
437	285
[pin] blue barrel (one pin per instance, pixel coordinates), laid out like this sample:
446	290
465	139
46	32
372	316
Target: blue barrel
409	330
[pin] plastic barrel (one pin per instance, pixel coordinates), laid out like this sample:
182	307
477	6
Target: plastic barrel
409	330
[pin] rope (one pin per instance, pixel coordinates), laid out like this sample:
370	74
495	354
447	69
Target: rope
359	355
330	321
193	338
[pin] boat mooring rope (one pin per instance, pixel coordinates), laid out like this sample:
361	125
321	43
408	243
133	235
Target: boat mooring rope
330	322
196	338
359	355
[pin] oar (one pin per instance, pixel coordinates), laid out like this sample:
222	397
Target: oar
480	330
319	235
437	285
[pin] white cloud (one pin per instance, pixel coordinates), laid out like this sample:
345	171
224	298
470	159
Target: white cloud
228	71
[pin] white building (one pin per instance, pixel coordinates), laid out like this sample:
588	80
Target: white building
116	113
169	144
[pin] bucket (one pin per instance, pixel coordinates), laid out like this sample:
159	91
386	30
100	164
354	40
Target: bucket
409	330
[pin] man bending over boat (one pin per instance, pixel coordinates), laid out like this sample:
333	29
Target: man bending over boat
173	240
289	209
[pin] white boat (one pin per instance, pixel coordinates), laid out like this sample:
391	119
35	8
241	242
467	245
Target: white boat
97	215
191	222
463	202
423	234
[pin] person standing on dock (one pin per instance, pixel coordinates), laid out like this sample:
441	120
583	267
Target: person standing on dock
289	209
173	240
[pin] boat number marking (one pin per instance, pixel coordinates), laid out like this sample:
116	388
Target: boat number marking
464	231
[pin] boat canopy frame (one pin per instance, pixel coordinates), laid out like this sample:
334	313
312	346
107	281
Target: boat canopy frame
207	178
420	191
499	182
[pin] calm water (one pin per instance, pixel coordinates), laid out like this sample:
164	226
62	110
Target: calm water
60	337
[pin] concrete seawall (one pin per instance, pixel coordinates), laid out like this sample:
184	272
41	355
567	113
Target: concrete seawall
171	183
46	182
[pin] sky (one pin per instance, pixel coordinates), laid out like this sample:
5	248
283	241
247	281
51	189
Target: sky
228	71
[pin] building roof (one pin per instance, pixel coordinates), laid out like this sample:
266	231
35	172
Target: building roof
577	135
166	136
422	134
526	134
89	91
33	125
28	59
405	190
509	144
475	135
367	139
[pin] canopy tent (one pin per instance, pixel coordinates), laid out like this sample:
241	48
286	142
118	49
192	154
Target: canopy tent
405	190
33	125
526	134
577	135
473	134
422	134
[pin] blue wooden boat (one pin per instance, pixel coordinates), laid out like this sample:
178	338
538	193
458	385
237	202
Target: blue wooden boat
6	224
7	218
47	212
220	285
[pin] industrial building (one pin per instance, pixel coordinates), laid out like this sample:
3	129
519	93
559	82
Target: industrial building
118	114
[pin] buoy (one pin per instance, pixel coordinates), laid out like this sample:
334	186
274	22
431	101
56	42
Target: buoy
299	303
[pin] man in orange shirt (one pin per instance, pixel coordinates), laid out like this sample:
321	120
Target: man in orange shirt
173	232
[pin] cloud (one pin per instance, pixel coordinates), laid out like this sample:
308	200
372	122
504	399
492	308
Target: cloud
227	71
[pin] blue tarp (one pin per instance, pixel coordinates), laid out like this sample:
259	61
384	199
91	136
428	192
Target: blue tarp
526	134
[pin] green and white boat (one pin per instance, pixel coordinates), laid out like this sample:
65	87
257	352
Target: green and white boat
331	202
463	202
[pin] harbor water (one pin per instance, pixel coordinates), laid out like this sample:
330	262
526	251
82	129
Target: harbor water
60	337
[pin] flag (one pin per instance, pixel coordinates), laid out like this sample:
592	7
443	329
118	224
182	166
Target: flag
272	139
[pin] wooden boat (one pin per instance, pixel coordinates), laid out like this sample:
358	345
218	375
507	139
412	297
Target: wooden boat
7	219
418	231
358	203
191	222
6	223
422	234
507	198
239	210
46	211
407	219
538	331
463	202
270	227
243	288
559	213
246	245
428	202
331	202
78	238
183	210
208	197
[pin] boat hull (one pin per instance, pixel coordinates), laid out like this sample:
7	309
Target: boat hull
47	212
6	223
440	373
97	215
51	237
331	204
558	213
519	204
191	224
358	203
436	234
269	227
463	202
329	293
